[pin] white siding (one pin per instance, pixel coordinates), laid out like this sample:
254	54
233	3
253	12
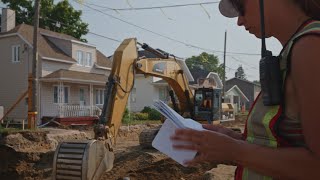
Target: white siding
50	66
146	93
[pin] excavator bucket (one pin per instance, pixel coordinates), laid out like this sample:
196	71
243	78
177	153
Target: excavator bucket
82	160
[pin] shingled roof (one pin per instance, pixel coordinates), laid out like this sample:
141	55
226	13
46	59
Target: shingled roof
49	49
73	76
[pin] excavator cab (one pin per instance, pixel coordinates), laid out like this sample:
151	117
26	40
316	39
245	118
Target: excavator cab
207	104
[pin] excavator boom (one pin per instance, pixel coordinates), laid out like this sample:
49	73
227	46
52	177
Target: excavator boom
90	159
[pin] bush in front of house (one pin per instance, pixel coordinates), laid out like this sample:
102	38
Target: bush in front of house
146	109
125	117
152	113
141	116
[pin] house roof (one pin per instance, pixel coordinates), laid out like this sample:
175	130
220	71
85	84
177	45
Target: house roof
75	76
49	49
216	78
243	81
102	60
235	87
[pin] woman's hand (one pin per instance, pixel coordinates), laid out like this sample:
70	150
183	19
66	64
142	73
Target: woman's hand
223	130
211	146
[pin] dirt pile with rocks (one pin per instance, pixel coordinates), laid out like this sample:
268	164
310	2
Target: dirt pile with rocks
29	154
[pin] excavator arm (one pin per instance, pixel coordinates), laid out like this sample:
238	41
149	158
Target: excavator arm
89	160
121	81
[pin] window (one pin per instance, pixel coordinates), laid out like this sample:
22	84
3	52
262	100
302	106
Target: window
163	93
84	59
58	92
89	59
133	95
55	94
99	96
16	53
80	58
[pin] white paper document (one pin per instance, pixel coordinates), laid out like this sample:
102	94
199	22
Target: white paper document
162	141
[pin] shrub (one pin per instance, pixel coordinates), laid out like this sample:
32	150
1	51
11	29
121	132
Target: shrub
141	116
125	117
146	109
154	115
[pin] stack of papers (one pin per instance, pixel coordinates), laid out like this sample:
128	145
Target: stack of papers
162	141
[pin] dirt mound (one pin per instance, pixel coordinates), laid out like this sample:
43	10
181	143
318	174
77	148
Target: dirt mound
29	154
140	164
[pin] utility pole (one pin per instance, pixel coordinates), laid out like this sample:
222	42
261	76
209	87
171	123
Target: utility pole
224	65
33	78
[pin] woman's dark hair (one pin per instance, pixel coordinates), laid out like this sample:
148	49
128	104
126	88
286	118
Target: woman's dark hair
310	7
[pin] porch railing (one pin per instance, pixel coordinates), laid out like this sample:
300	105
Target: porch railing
78	111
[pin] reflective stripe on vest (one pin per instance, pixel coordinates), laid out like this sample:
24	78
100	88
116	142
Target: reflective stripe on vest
261	122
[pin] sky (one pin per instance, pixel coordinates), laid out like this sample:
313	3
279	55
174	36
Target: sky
173	28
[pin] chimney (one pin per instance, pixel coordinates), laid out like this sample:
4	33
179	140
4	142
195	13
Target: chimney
8	20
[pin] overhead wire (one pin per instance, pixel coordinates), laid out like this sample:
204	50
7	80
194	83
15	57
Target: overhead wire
161	35
152	7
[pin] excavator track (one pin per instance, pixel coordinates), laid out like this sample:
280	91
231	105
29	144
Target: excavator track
69	159
82	160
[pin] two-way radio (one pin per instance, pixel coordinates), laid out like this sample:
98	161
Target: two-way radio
270	73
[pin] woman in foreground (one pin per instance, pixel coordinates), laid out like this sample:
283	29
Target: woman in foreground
279	142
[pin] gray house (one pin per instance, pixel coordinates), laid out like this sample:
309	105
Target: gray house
249	89
71	74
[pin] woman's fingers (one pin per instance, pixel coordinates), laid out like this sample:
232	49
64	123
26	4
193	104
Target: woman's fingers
191	147
188	135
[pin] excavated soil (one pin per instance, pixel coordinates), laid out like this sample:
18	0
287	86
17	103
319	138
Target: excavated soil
29	155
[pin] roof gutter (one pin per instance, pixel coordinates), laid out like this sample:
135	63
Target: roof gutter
57	60
71	80
101	67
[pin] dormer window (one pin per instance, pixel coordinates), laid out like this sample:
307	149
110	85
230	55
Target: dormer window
80	58
89	59
84	59
15	53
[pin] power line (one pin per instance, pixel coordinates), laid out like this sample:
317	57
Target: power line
164	36
251	67
152	7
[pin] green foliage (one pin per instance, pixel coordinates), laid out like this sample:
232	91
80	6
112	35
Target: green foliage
126	116
141	116
146	109
240	73
203	64
50	13
154	115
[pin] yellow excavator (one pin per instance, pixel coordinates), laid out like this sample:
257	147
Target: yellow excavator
88	160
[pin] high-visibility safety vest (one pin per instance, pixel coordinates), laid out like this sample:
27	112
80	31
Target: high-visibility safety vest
262	127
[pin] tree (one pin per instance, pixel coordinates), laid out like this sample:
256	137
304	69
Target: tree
240	73
202	65
60	17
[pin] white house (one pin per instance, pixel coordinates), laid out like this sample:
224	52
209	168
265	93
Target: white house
71	73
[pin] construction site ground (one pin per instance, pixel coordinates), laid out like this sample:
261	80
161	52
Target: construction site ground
29	155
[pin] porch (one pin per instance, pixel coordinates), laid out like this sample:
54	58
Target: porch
72	98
